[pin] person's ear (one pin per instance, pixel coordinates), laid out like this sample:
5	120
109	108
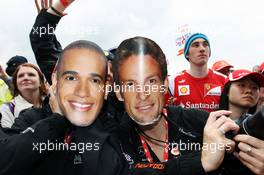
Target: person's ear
54	81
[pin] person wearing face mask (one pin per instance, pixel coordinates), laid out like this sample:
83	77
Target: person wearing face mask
79	140
171	138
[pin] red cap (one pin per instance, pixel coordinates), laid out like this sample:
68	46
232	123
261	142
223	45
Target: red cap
261	68
242	73
220	65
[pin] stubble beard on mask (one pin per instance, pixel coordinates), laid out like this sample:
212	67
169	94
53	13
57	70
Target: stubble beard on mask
155	120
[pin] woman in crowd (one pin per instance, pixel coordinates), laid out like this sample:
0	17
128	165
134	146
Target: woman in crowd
240	96
241	93
29	90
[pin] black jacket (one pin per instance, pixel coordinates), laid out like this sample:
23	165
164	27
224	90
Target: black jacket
185	129
184	126
47	50
18	155
32	115
93	149
45	45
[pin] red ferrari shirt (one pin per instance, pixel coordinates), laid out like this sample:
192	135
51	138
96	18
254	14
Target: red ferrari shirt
199	93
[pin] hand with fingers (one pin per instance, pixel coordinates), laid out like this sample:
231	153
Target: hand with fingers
215	144
3	74
171	101
56	8
53	102
44	4
251	153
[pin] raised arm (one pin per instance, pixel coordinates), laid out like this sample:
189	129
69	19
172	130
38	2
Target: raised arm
44	43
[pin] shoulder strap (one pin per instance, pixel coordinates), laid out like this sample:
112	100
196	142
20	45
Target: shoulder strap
11	106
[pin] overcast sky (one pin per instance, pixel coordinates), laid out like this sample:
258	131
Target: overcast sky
235	28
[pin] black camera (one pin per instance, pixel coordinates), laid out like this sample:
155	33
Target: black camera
252	125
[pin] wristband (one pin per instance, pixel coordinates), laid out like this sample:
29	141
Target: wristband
56	11
65	3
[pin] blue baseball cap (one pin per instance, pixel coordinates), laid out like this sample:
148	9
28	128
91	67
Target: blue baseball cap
191	39
13	63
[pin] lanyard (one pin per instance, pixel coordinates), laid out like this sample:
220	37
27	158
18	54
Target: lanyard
68	137
166	151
